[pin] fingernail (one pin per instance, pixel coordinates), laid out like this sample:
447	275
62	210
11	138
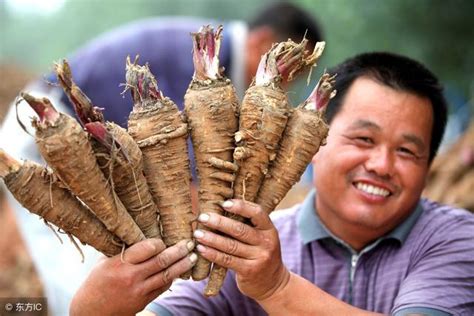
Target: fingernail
193	258
190	245
198	233
200	248
227	204
203	217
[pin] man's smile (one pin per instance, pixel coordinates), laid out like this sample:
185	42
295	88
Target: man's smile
372	189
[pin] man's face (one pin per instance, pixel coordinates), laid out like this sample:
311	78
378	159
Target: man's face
371	172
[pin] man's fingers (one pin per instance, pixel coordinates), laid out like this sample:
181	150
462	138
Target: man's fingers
230	227
250	210
222	259
224	244
167	257
163	279
143	250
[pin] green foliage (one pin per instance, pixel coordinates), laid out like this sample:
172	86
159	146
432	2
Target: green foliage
36	40
436	32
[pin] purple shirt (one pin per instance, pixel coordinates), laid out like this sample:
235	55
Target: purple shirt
425	265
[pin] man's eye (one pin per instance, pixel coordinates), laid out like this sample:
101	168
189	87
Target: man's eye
406	151
366	140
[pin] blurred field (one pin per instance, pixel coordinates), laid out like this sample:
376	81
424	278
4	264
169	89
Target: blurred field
13	80
18	277
451	178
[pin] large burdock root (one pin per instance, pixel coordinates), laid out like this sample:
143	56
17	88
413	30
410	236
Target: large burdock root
305	131
65	146
263	117
159	129
211	108
118	156
264	113
36	188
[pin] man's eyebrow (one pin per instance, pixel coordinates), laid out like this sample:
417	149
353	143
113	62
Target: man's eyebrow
361	123
417	141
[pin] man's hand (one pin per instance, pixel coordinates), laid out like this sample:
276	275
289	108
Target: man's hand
125	285
253	252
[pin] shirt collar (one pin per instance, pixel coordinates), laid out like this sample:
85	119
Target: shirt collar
401	232
309	225
311	228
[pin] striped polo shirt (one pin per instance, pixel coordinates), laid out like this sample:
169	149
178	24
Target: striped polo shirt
423	266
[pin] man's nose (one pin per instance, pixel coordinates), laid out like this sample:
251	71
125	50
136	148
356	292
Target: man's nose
380	162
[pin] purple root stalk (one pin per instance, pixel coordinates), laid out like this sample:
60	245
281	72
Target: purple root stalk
83	106
142	82
90	116
321	94
99	131
206	47
46	112
285	60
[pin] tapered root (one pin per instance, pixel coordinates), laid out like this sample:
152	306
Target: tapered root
304	134
158	128
66	148
211	108
39	191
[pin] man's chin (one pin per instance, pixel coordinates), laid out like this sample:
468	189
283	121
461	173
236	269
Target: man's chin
369	219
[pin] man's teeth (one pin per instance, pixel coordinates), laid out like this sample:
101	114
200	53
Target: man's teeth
372	189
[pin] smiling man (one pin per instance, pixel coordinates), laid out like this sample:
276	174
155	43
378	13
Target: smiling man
372	171
363	242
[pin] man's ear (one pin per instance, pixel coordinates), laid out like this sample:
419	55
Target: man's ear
319	156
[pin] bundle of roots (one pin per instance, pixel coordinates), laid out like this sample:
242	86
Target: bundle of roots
112	187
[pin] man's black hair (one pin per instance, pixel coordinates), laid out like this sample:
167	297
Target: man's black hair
397	72
288	21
